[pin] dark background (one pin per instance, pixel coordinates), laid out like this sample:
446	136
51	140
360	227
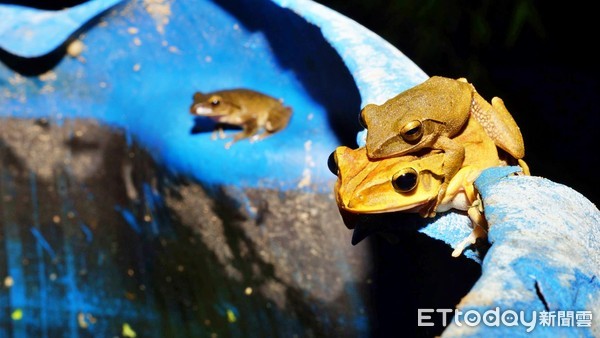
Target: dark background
538	56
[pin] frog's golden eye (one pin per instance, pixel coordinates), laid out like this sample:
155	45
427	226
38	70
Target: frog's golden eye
214	101
361	120
412	131
332	164
405	180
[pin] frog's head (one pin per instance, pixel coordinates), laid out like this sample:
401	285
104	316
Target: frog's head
405	183
212	105
414	119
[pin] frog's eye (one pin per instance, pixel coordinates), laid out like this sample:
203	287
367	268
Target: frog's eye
412	131
332	164
215	101
361	120
405	180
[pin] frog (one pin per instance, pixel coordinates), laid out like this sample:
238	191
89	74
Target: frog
412	183
430	115
259	115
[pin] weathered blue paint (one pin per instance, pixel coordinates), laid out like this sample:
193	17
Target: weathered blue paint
208	46
29	32
379	69
545	255
239	51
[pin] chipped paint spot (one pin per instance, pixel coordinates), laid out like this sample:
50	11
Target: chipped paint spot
231	317
306	179
85	320
160	10
48	76
127	331
8	281
17	314
75	48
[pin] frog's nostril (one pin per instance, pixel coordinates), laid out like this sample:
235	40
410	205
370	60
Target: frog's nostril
332	164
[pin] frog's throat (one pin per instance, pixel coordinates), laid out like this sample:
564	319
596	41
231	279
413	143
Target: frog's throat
199	110
357	207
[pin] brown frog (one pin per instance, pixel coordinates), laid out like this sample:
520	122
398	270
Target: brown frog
251	110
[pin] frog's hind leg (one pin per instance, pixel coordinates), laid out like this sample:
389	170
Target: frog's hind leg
250	129
278	121
499	124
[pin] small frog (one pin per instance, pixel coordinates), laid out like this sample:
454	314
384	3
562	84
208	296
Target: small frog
412	184
245	108
430	115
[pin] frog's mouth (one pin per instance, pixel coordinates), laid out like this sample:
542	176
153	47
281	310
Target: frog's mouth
359	205
202	110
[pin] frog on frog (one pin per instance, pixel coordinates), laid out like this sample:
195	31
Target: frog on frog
429	116
410	184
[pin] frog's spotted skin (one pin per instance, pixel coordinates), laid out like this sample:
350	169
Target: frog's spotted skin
499	125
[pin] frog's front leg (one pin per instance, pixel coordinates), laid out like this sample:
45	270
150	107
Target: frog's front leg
250	128
454	156
218	132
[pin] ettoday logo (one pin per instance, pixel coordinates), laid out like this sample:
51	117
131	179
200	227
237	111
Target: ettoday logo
497	317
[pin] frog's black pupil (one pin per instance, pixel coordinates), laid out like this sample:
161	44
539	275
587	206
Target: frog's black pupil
405	182
215	102
413	131
332	164
361	121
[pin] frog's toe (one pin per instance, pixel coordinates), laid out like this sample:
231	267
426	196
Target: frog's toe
477	233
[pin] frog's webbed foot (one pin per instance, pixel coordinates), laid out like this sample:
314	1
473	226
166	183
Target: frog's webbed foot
236	138
478	232
218	133
260	136
249	130
221	133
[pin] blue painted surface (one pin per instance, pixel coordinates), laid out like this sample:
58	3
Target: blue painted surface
545	256
30	32
379	69
202	50
137	73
